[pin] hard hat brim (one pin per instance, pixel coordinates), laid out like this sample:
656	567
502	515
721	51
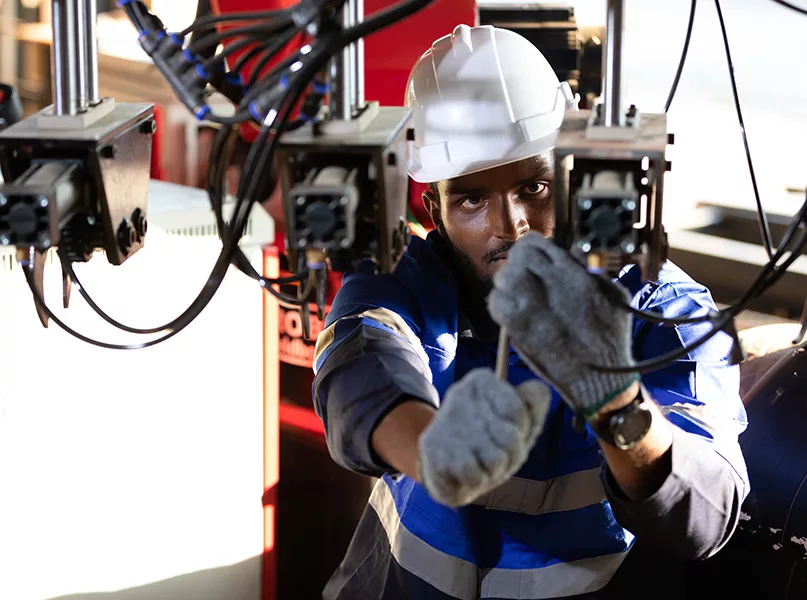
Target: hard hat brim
452	171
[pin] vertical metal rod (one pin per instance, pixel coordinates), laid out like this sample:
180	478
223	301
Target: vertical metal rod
503	355
657	238
91	19
358	69
613	87
342	72
63	58
80	50
561	235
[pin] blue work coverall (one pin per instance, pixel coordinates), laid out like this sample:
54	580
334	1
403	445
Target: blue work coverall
560	527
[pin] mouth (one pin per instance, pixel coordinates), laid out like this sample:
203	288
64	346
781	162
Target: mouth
499	254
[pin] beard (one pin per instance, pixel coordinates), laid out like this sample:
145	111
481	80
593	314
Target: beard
473	292
468	278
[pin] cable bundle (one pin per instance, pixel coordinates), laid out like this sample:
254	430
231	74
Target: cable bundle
270	100
191	63
789	249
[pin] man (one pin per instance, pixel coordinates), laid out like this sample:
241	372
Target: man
487	489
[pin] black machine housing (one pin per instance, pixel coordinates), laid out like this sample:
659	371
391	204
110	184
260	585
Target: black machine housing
609	192
345	192
79	188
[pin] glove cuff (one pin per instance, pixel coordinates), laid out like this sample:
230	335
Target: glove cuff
601	389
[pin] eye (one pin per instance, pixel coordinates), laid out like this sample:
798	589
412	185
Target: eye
471	201
535	188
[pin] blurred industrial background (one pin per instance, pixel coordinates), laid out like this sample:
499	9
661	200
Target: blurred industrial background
171	461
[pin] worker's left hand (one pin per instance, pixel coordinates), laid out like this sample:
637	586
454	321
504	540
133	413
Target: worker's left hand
560	322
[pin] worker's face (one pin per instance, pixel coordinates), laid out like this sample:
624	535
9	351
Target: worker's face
483	214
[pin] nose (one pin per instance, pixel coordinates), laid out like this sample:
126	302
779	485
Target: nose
508	219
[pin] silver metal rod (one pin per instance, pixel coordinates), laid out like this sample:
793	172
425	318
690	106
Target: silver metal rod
503	355
91	19
341	75
80	50
63	58
358	69
613	87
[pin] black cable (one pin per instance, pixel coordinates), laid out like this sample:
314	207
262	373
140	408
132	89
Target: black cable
243	43
767	277
219	161
612	294
202	10
132	10
246	57
237	119
255	88
29	278
651	317
68	268
683	59
764	227
719	324
798	9
211	21
260	154
269	54
249	31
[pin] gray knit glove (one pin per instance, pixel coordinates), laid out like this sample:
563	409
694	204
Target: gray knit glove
560	321
480	437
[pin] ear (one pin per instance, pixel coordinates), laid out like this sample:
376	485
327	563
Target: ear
431	202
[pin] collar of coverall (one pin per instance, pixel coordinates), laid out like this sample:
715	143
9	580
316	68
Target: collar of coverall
473	318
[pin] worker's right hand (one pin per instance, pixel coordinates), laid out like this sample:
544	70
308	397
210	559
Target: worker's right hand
481	435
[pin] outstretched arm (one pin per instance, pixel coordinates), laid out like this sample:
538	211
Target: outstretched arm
682	485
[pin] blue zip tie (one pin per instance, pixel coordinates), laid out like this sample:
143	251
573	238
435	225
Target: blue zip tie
284	81
188	56
143	35
122	3
233	78
200	71
320	88
174	37
201	112
314	266
161	34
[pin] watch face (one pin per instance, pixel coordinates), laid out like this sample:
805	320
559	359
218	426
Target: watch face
628	429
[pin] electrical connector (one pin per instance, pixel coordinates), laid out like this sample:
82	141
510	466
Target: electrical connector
180	67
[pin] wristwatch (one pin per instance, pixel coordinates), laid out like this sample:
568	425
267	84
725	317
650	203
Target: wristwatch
624	427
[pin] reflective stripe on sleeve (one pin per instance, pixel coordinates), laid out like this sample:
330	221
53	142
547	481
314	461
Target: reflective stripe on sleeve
532	497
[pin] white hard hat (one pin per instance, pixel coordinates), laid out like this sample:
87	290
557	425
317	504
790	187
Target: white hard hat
482	97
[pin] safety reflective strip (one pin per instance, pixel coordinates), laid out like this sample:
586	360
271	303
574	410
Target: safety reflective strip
562	579
461	579
710	417
450	575
532	497
389	319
